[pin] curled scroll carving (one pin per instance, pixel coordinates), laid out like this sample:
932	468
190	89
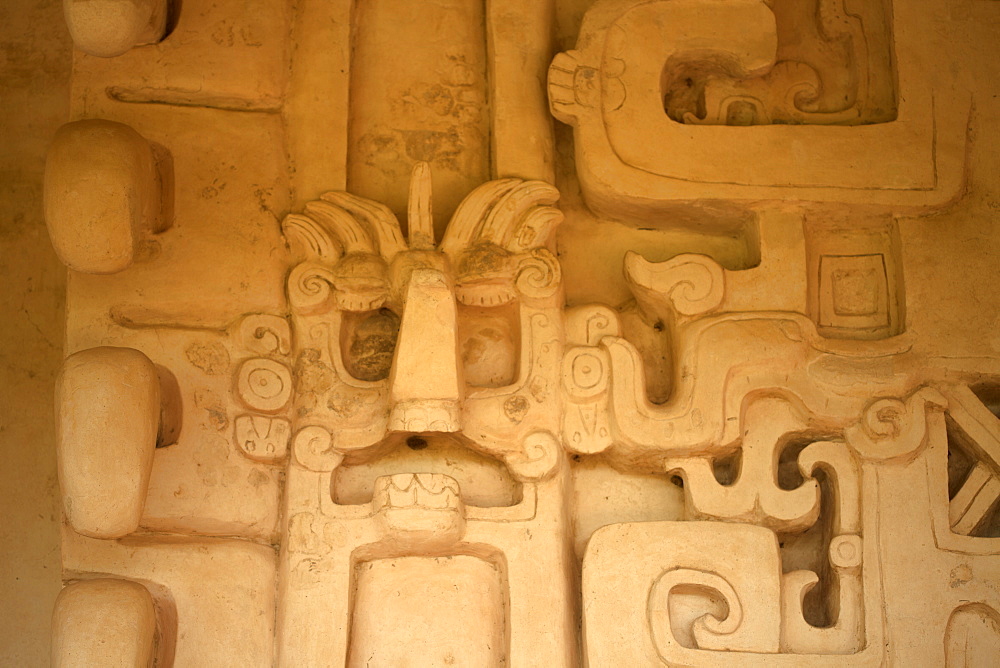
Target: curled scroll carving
705	628
754	496
309	286
892	429
265	334
313	448
686	284
538	274
537	457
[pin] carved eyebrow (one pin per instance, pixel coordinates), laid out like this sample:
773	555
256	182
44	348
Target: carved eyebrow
339	223
514	214
510	213
379	221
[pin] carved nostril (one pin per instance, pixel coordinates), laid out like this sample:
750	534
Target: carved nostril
416	443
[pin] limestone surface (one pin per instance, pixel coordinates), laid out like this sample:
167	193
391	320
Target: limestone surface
552	333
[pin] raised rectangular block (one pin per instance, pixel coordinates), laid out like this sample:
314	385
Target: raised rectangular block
220	593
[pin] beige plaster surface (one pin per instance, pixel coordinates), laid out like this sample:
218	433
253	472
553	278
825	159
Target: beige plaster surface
35	61
648	332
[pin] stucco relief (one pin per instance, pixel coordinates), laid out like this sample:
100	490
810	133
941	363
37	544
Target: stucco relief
301	425
631	54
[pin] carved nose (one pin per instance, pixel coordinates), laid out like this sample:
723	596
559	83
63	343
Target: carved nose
426	381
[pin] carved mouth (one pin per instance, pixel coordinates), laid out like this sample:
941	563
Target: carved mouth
477	479
427	491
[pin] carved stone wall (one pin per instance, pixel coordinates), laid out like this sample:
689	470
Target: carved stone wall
612	332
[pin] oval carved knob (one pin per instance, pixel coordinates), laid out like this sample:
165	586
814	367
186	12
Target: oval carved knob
103	622
108	403
108	28
102	194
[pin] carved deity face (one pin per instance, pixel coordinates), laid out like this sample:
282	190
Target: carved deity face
399	337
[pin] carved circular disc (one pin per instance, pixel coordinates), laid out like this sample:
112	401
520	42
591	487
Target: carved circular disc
264	385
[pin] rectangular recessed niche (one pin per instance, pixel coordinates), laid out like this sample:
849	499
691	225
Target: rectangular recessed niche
428	611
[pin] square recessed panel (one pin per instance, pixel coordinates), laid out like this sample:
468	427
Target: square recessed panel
853	291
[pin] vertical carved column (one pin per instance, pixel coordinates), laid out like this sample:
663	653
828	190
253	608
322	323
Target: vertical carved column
418	93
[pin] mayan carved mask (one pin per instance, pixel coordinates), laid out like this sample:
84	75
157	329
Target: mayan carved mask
395	337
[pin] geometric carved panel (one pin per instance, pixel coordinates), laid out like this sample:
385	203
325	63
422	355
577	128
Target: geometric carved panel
368	438
855	276
853	291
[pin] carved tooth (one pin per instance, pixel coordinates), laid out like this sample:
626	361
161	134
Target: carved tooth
382	485
354	302
436	501
401	497
426	481
493	292
401	481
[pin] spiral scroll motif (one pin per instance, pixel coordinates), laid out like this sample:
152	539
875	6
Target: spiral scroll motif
538	274
689	284
309	287
313	449
537	459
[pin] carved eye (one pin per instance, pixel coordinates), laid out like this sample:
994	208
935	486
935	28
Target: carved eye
489	342
367	343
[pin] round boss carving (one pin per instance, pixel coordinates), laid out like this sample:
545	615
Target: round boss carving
845	551
585	372
264	385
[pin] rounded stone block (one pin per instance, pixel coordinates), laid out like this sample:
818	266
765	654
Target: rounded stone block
108	403
104	622
102	191
108	28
